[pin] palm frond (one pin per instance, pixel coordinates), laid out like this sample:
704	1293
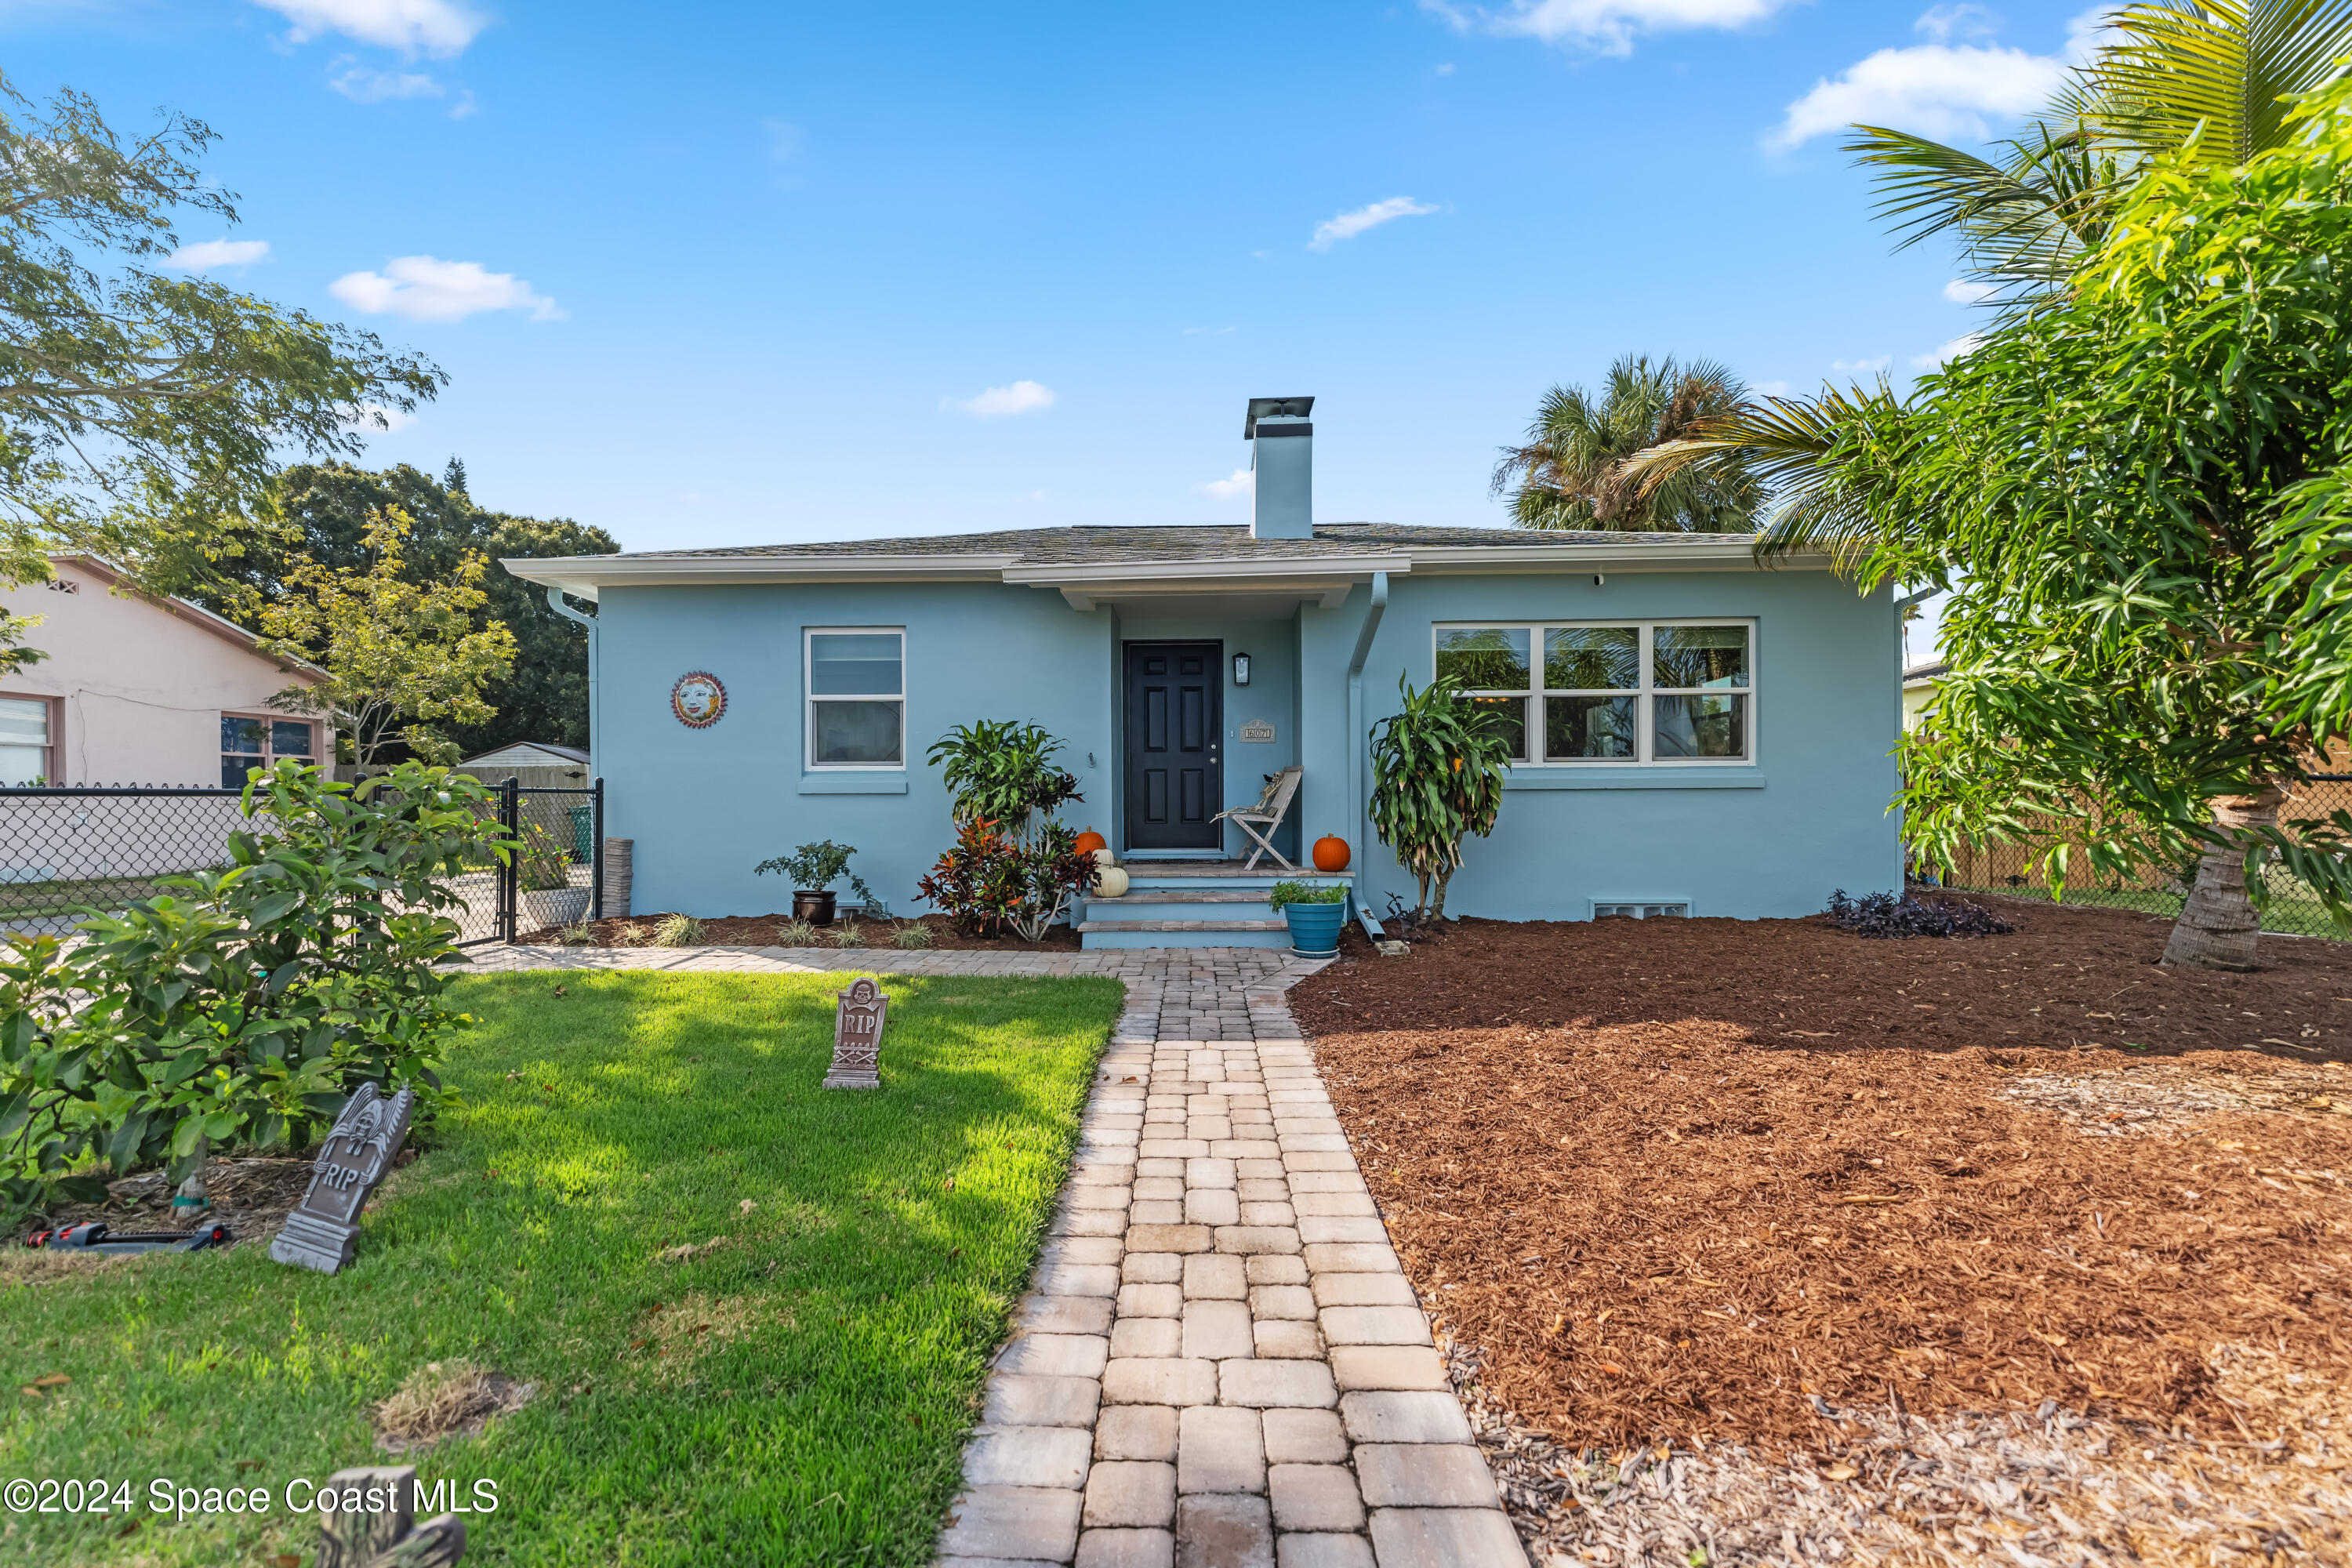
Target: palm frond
2211	76
1820	458
2022	224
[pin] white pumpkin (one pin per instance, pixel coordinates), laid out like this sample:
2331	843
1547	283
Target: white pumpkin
1104	857
1110	882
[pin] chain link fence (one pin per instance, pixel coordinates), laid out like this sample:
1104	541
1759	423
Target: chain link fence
66	852
2295	909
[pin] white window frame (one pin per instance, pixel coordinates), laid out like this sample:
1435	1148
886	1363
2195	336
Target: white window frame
810	699
1645	706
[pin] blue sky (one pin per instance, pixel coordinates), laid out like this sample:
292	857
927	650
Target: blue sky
709	275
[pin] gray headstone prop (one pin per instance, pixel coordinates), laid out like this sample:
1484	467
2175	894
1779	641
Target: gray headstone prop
322	1233
857	1038
386	1536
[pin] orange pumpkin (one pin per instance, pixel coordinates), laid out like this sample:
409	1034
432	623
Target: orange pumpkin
1089	841
1330	853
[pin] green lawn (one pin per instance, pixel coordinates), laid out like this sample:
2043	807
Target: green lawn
795	1395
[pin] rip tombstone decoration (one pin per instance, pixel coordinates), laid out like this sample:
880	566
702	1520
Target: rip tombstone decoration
857	1038
324	1230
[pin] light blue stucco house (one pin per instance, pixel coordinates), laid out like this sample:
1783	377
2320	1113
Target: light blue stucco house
1698	734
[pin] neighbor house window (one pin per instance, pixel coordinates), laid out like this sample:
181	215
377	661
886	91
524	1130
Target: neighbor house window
28	742
248	742
1635	691
857	697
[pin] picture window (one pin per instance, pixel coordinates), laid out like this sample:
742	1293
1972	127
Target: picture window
1637	692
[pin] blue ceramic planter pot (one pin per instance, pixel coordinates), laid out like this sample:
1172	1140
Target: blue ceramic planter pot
1314	928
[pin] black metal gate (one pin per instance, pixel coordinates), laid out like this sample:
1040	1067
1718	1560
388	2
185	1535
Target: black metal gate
552	825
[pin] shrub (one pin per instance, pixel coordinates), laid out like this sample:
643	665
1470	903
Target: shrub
796	934
239	1006
541	865
846	934
1013	867
1885	915
1437	778
987	884
815	868
1002	773
677	931
910	934
1289	892
581	935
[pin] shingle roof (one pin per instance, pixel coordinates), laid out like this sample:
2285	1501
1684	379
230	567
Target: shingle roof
1109	546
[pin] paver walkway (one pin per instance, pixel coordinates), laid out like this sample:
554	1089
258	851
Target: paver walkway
1220	1363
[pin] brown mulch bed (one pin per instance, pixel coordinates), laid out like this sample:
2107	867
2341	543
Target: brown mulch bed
1688	1179
766	931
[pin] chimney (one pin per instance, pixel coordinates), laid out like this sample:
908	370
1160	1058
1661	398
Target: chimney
1282	459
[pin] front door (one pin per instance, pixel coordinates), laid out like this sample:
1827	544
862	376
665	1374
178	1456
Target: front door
1175	715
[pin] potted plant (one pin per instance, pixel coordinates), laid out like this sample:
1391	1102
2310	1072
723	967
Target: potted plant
814	868
544	874
1314	914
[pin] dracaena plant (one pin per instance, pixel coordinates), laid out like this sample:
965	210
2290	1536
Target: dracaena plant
1438	768
238	1007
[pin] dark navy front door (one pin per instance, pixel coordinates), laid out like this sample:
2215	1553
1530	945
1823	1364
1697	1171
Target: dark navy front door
1175	716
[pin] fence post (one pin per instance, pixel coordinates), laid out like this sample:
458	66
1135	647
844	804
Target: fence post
510	869
596	851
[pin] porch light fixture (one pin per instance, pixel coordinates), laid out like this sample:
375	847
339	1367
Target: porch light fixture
1241	669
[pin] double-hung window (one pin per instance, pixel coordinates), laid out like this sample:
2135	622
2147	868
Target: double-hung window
1625	692
856	697
27	740
249	742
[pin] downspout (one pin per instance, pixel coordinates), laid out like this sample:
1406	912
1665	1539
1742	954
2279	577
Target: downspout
1358	801
555	602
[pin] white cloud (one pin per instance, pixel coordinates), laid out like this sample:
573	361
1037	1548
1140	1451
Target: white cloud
1940	88
1348	225
464	107
362	84
1233	486
784	138
1944	23
1966	343
1771	389
1961	291
208	254
439	28
1862	366
1608	26
1018	397
376	418
425	289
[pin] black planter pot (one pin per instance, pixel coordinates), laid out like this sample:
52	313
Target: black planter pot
814	908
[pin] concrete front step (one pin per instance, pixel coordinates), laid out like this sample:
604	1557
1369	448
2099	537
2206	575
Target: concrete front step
1150	871
1094	933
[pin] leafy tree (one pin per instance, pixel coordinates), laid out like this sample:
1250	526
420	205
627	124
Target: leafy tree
402	658
323	512
2140	494
453	477
1570	473
142	415
1438	768
2204	83
239	1006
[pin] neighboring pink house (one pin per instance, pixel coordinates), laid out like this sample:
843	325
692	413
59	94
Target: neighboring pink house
143	690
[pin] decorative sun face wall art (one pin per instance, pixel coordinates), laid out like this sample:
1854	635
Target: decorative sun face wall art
699	699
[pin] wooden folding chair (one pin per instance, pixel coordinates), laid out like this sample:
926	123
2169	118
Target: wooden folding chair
1272	806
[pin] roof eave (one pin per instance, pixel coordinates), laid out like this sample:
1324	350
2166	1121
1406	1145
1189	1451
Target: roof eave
584	575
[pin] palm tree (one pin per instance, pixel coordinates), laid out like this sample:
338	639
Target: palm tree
2207	79
1572	472
2202	80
